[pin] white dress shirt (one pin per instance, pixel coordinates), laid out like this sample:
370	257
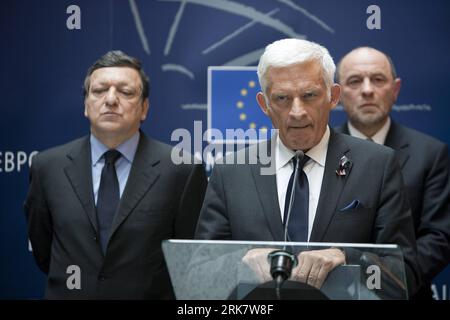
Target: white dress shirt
379	137
123	164
314	170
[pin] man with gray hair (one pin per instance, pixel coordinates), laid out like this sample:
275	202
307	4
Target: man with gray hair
370	87
98	207
347	191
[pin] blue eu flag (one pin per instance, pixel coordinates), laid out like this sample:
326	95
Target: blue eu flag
232	100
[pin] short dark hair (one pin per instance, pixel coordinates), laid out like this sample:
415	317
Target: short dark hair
391	64
118	58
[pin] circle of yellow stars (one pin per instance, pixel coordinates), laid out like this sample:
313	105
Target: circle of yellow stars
240	105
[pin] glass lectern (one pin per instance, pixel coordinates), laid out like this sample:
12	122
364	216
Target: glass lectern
205	270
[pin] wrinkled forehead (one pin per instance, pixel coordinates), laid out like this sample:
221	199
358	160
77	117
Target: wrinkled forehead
365	62
115	76
306	74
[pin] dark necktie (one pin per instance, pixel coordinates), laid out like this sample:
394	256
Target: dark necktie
108	196
298	221
370	139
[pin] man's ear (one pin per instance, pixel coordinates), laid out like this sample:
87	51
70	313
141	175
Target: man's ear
335	95
260	98
145	107
397	86
85	109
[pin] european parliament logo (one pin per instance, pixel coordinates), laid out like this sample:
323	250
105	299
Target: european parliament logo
232	104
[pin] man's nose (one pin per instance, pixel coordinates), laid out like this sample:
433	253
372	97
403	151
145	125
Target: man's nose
367	88
111	96
297	110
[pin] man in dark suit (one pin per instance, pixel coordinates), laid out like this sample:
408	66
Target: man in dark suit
351	190
99	207
370	88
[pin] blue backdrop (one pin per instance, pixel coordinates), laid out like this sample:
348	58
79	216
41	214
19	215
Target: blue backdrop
44	60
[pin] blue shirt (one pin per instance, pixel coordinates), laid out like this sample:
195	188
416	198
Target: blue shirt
123	164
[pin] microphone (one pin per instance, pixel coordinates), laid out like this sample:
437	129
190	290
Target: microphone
281	264
282	261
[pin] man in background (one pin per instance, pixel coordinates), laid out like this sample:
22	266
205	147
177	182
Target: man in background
370	87
98	207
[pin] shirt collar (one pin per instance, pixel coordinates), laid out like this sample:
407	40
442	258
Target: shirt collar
318	153
379	137
127	148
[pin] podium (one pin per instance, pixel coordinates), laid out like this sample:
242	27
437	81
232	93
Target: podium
220	270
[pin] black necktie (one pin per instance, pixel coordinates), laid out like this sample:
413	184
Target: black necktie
298	220
108	196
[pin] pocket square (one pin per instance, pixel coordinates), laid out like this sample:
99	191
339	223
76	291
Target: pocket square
352	205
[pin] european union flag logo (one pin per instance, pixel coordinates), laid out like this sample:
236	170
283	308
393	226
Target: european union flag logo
232	101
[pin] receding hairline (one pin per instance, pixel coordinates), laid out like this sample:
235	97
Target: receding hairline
117	58
120	83
121	67
386	57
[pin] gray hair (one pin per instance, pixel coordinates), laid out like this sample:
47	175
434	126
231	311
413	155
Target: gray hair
288	52
118	59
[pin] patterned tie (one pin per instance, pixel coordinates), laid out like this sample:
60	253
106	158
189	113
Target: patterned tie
298	220
108	196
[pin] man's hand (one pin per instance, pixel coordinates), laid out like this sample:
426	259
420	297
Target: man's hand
313	266
256	259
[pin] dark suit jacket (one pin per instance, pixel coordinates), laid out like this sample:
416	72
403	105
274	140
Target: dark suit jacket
425	167
242	204
160	201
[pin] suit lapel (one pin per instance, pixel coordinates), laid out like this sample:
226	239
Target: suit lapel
79	173
332	186
266	187
395	140
143	174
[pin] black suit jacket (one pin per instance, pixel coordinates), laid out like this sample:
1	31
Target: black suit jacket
242	204
425	166
160	201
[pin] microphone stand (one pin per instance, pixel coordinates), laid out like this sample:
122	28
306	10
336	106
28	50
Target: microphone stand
298	156
282	261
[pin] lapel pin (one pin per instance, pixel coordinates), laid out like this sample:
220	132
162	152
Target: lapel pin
344	164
